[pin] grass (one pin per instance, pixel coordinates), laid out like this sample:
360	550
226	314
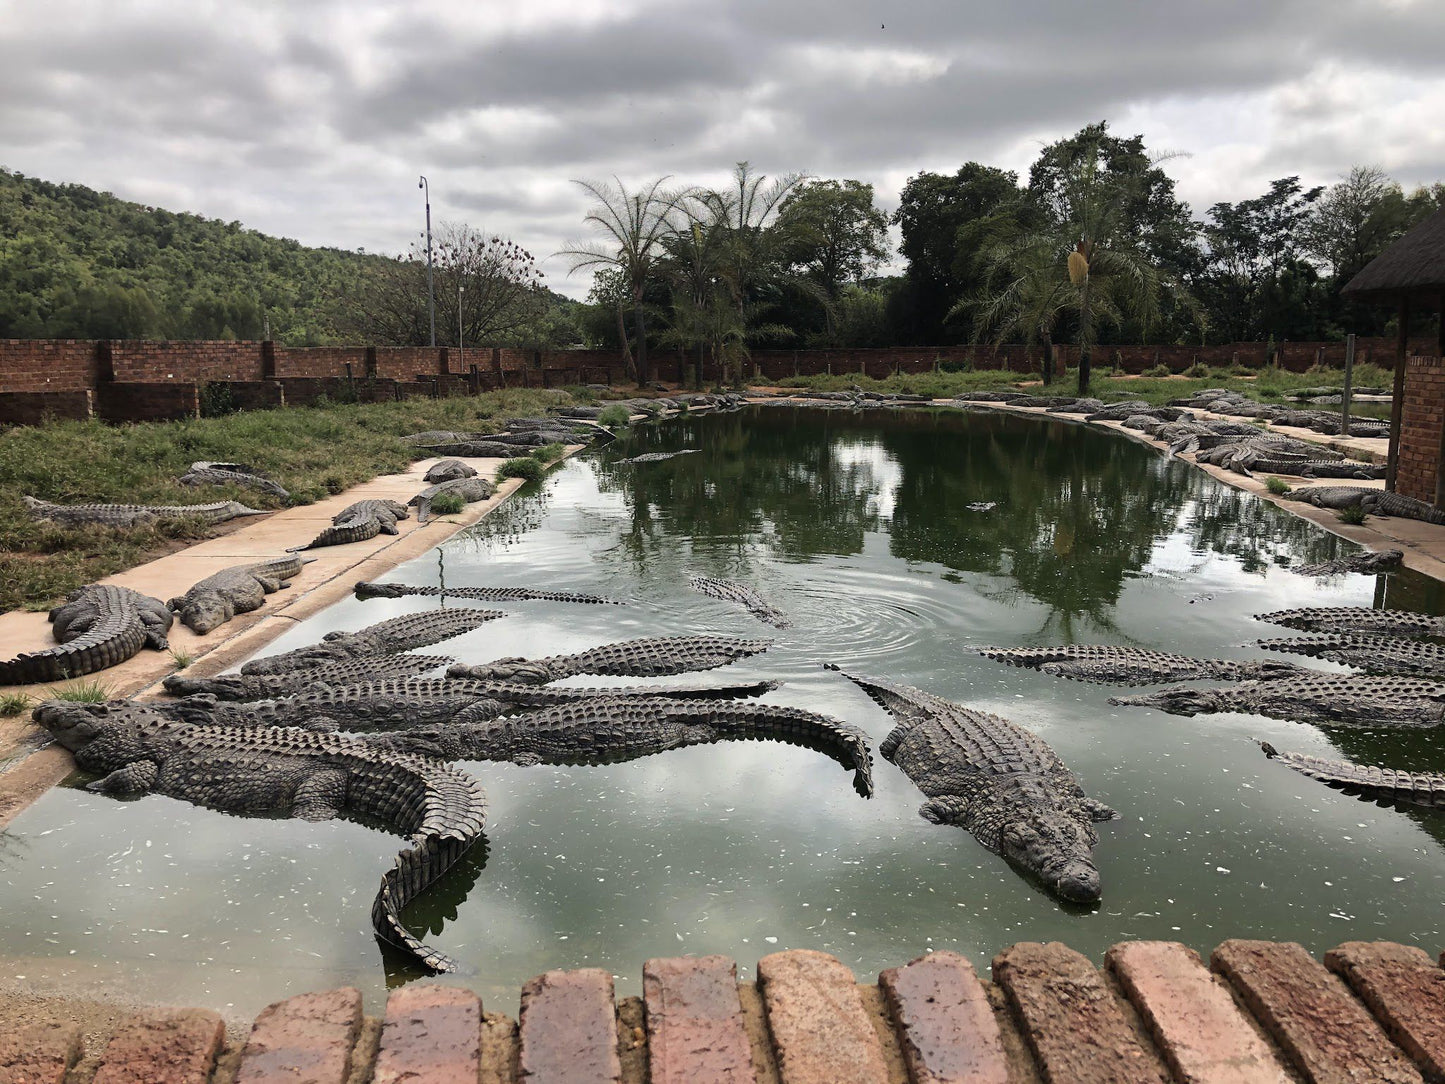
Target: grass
614	416
548	452
89	691
14	704
181	659
1354	515
446	504
1278	486
524	467
313	451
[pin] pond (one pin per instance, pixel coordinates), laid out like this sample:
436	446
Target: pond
895	541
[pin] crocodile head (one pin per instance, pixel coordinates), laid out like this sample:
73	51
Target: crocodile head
202	612
74	725
364	589
1177	701
1056	847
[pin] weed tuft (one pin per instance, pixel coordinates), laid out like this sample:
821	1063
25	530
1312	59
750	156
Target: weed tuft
614	416
446	504
548	452
89	691
524	467
181	659
1278	486
14	703
1355	515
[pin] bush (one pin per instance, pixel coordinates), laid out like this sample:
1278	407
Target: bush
1355	515
525	467
614	416
14	703
1278	486
216	399
1197	371
1158	370
548	452
446	504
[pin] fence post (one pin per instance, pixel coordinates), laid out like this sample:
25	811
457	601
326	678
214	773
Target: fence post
1349	377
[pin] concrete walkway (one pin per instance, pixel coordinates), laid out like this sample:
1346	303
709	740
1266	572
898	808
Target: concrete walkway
1257	1012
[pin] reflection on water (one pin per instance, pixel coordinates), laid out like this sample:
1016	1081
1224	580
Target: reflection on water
869	531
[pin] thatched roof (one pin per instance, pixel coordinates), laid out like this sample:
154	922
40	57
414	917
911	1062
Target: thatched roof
1412	266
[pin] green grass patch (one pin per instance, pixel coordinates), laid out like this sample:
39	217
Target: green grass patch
89	691
614	416
524	467
181	659
446	504
548	452
14	703
1354	515
1278	486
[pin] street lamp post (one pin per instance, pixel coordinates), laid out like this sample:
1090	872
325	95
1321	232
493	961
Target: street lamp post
431	297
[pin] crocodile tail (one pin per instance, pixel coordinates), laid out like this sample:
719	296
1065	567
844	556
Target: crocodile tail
112	640
1418	788
841	741
415	869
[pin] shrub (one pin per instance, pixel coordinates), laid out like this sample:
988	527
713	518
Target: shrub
1197	370
1355	515
216	399
14	703
548	452
1158	370
1278	486
446	504
525	467
614	416
181	659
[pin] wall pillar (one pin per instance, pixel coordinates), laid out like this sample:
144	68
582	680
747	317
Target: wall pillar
1397	403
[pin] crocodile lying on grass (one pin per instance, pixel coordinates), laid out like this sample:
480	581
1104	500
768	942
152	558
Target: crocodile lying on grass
1375	654
366	590
1365	780
204	473
1367	563
651	657
406	703
290	682
1342	699
287	773
449	470
996	780
609	729
744	596
132	515
470	490
237	590
404	633
97	626
1351	619
358	522
1109	665
1374	502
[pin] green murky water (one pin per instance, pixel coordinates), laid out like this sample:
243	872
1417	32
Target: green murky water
869	530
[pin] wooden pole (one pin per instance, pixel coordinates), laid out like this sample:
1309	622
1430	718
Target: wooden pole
1349	377
1397	403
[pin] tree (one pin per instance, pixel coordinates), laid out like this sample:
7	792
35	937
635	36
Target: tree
833	235
1354	220
634	225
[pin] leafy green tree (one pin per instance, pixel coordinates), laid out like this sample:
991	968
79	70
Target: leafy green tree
833	235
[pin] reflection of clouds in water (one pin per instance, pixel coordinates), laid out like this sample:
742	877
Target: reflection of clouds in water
881	473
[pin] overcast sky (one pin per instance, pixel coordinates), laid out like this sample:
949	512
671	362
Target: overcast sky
313	119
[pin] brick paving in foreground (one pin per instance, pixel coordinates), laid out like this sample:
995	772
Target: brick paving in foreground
1154	1013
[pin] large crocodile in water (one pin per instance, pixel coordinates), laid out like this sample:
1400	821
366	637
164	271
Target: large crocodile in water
628	658
403	633
97	626
744	596
1110	665
1315	698
1375	654
608	729
996	780
480	594
1366	780
1352	619
287	773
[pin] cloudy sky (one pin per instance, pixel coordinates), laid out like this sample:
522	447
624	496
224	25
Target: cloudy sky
312	119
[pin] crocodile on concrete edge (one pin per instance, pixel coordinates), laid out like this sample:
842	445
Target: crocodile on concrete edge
358	522
997	781
404	633
98	626
287	773
1375	502
331	674
1375	654
219	474
366	590
236	590
1350	619
650	657
1367	564
470	490
131	515
610	729
1110	665
1365	780
449	470
744	596
1341	699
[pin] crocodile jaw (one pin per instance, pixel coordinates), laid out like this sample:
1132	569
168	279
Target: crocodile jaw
1057	850
72	724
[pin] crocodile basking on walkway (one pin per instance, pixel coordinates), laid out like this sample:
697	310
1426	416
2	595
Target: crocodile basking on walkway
997	781
132	515
98	626
1374	502
358	522
1352	619
287	773
398	634
608	729
236	590
348	671
650	657
1365	780
1341	699
1110	665
366	590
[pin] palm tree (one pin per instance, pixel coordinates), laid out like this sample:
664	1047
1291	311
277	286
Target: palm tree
635	224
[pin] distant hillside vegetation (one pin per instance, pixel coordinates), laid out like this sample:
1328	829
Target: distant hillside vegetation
77	263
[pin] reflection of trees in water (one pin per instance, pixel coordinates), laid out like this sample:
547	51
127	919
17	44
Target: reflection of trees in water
1227	521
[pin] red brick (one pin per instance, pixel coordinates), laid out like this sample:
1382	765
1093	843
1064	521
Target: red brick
946	1027
1406	992
303	1040
1326	1033
38	1053
695	1029
1192	1017
568	1026
431	1035
1074	1026
177	1048
821	1033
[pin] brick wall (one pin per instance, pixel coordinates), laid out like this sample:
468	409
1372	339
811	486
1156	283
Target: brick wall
47	365
143	362
1420	421
155	401
34	407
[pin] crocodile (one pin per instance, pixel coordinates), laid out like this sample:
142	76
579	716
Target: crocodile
1375	502
609	729
358	522
1107	664
469	449
398	634
366	590
1366	780
204	473
287	773
997	781
343	672
239	589
449	470
133	515
635	658
470	490
744	596
1259	462
406	703
1349	619
657	457
1367	563
1345	699
97	626
1375	654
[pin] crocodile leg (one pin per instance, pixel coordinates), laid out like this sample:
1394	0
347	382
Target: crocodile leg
132	781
